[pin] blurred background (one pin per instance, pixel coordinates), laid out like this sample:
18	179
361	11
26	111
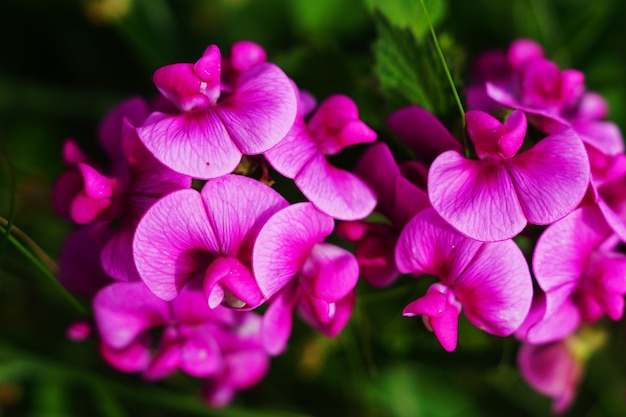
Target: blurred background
64	63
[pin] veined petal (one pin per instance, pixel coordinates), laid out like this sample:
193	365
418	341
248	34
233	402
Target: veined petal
124	310
174	243
285	242
195	143
476	197
293	151
562	251
550	178
428	245
334	191
261	110
496	289
236	208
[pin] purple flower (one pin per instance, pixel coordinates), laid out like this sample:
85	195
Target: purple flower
493	198
301	155
219	121
296	269
213	344
490	281
208	237
576	262
122	193
552	370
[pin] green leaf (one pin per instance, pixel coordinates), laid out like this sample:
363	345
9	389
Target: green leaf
409	70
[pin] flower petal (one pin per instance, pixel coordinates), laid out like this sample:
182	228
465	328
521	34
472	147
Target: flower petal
124	310
334	191
173	243
550	178
285	242
261	110
476	197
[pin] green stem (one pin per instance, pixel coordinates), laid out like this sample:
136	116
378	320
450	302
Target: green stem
444	64
23	243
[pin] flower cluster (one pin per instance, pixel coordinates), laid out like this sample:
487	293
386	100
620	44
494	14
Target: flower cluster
519	228
182	232
472	216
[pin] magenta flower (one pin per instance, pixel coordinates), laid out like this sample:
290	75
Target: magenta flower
576	261
296	269
490	281
493	198
133	181
219	121
199	341
553	370
206	236
301	155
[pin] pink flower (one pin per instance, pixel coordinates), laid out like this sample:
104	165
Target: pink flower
219	121
576	263
493	198
296	269
213	344
490	281
207	237
121	194
301	155
552	370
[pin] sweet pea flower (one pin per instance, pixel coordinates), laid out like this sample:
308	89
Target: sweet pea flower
494	197
122	193
199	341
296	269
490	281
555	369
576	262
301	156
219	121
206	236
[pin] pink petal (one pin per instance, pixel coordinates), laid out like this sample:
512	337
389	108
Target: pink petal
477	198
124	310
180	84
428	245
561	253
293	152
173	243
277	320
117	256
261	110
196	143
539	328
200	354
378	168
496	289
245	54
334	191
604	136
237	207
335	272
237	287
285	242
133	358
441	312
135	109
550	178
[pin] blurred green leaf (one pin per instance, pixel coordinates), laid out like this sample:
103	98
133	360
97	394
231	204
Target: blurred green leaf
408	14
